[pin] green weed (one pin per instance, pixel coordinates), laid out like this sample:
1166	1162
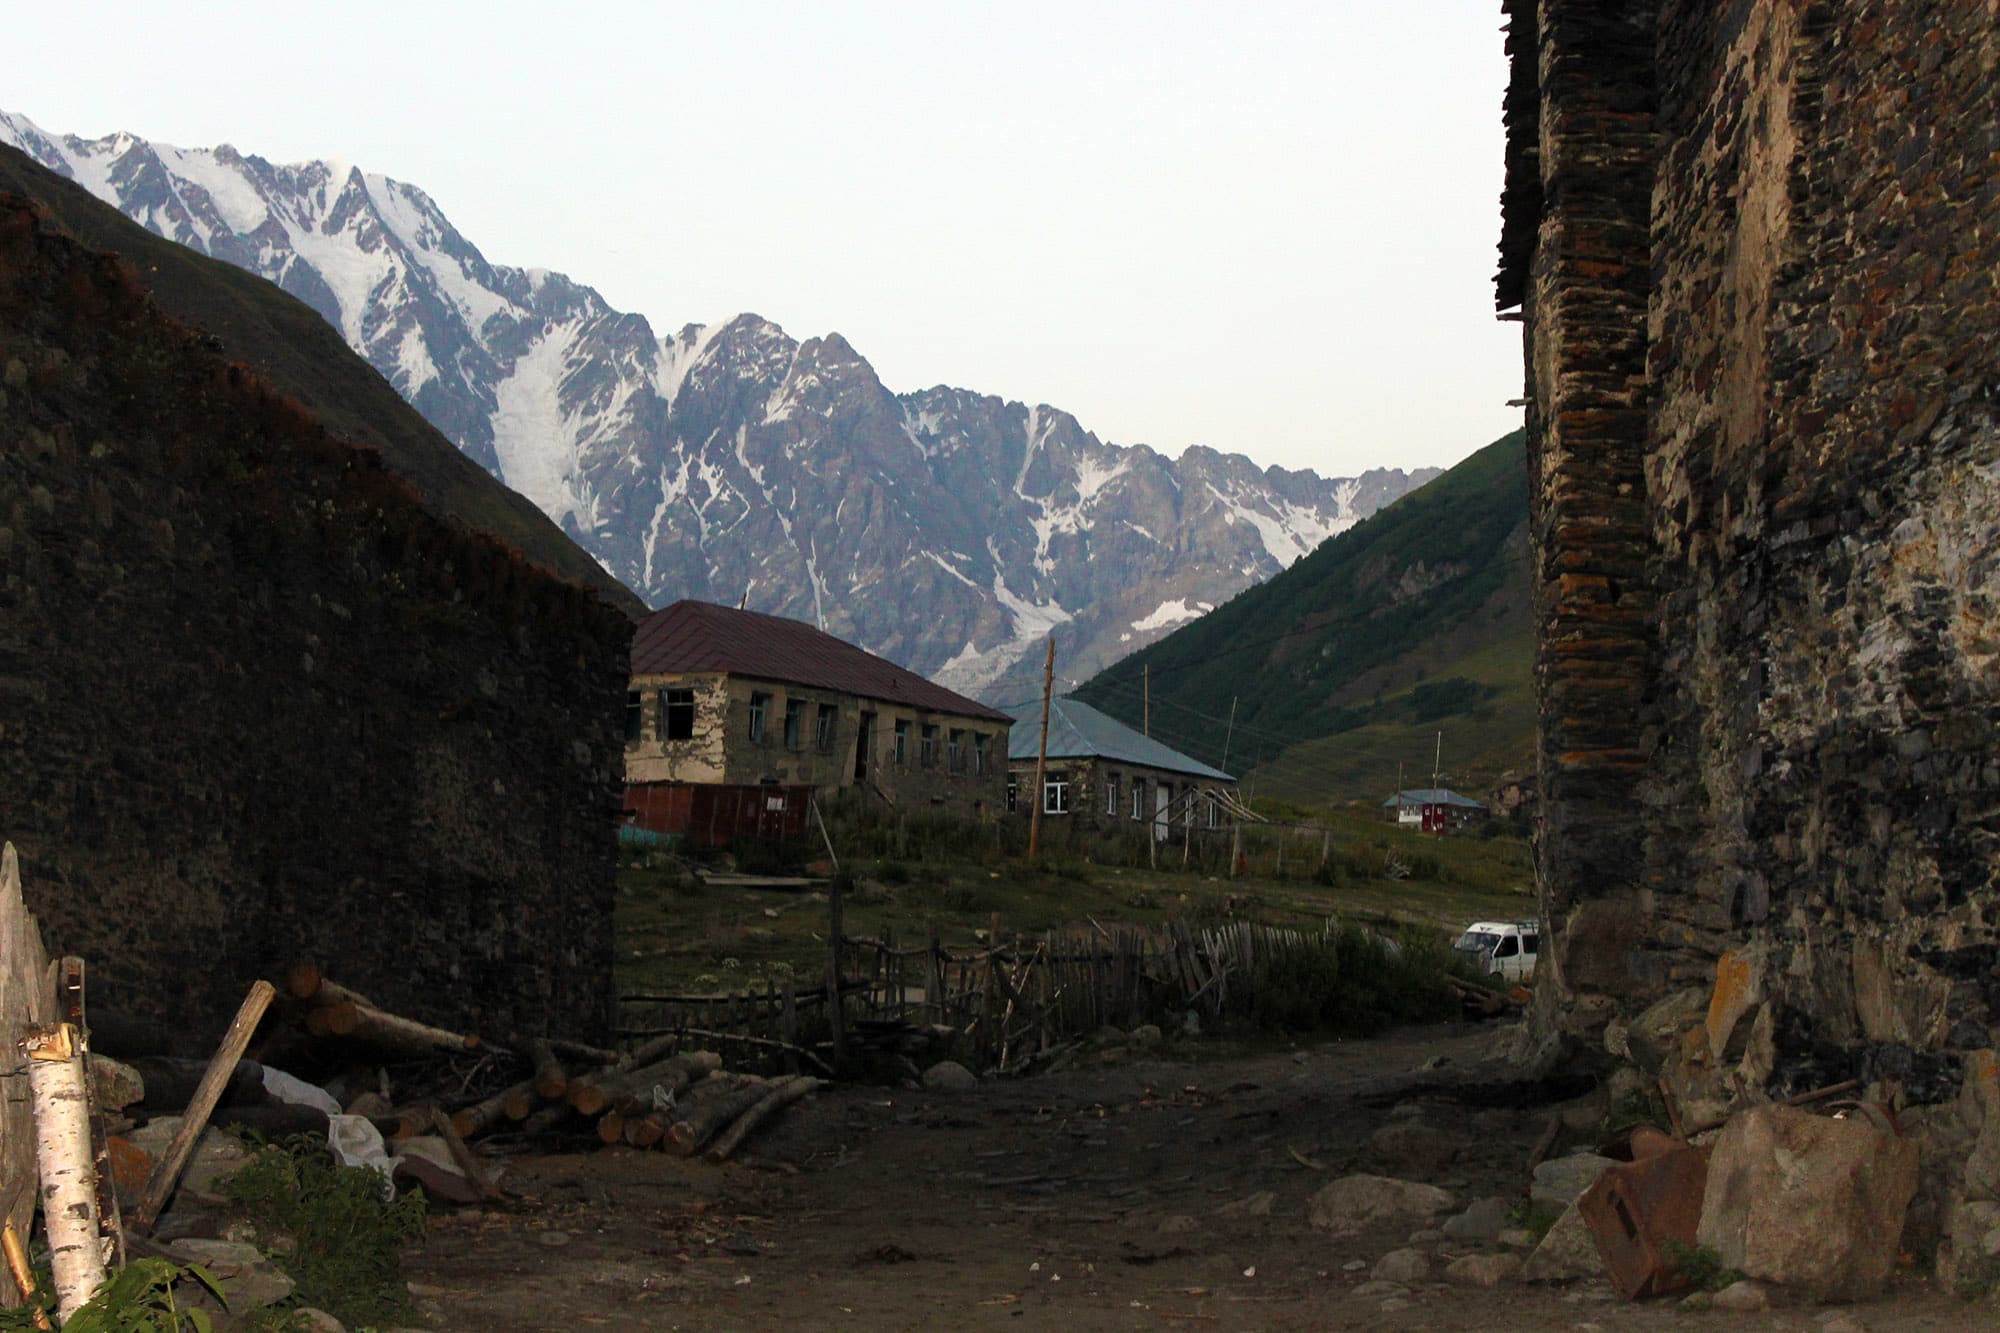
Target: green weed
1701	1266
347	1256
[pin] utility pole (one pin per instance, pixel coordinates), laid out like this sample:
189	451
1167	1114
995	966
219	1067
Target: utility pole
1041	756
1227	734
1146	710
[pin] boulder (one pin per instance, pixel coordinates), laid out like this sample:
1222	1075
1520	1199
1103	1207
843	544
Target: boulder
1146	1036
1483	1270
950	1076
1404	1266
215	1155
1483	1221
1409	1145
1566	1254
248	1280
310	1319
1353	1203
113	1085
1561	1181
1808	1202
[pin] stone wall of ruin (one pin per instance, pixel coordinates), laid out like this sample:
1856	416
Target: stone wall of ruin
1766	452
257	703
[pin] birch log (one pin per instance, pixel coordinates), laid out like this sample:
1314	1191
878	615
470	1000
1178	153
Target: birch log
60	1089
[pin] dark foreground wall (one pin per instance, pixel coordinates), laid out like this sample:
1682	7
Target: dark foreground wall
257	703
1756	247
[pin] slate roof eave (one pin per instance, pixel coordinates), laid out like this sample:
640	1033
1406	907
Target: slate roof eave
1078	731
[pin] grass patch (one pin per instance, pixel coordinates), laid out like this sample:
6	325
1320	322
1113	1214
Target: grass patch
1349	981
1701	1266
347	1243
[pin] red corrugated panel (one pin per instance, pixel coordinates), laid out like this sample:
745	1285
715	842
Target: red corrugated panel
712	816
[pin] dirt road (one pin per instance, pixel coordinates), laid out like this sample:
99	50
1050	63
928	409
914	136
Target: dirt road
1125	1196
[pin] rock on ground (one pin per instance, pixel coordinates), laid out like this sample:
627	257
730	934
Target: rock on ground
1745	1297
950	1076
1483	1270
1566	1253
1405	1266
1560	1181
1351	1203
1807	1202
248	1280
1251	1205
1482	1221
1408	1145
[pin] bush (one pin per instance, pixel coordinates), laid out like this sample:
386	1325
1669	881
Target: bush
893	872
1351	982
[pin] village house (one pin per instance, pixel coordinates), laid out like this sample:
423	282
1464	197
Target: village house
1433	809
1101	774
734	710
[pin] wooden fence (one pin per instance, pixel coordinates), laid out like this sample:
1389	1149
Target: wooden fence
995	1006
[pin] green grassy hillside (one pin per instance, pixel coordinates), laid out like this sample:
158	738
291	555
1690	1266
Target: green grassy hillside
1414	622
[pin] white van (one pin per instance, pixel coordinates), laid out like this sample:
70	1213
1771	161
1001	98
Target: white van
1505	948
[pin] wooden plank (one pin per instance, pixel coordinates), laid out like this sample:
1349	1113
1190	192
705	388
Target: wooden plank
27	1000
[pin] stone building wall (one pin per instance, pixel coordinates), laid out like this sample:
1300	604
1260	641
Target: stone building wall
723	750
257	703
1785	519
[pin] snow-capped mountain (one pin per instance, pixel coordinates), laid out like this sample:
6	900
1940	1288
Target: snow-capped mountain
945	529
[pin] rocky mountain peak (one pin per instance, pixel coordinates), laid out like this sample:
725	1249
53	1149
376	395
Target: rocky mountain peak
946	529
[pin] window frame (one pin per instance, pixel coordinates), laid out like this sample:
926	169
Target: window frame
1055	792
954	750
979	739
635	717
826	726
927	745
795	724
902	749
674	699
760	705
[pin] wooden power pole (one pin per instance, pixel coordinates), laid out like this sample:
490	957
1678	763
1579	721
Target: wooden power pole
1041	756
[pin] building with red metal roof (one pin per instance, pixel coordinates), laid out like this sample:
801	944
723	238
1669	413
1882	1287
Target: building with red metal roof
722	697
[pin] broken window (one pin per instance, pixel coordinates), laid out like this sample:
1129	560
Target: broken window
760	704
1055	794
676	715
795	724
902	742
927	754
954	751
978	754
823	727
635	715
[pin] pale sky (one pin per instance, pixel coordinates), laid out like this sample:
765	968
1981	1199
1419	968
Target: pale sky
1264	227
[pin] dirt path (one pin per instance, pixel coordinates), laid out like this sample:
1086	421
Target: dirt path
1119	1197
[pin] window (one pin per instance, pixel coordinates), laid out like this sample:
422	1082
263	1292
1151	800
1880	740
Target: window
1214	813
1508	948
1111	796
979	754
1138	798
1013	794
676	715
795	724
635	716
954	751
1055	794
902	742
760	704
823	727
1530	943
928	753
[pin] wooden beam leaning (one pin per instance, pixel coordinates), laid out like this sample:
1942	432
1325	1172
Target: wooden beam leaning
206	1095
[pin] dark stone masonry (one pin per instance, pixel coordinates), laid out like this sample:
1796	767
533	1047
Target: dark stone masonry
1755	246
259	703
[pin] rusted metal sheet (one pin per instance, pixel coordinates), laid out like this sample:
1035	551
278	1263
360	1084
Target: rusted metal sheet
712	816
1638	1213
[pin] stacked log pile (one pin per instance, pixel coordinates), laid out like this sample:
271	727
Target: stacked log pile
653	1096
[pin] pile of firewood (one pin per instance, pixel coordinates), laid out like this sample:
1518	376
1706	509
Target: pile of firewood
654	1096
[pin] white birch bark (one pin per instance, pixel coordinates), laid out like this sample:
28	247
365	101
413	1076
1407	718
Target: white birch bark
60	1089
